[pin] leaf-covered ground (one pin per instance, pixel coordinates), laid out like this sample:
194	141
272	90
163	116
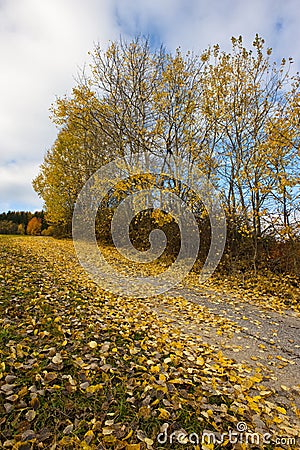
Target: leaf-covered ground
277	291
81	368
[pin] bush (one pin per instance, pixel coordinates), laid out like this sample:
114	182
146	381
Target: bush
48	231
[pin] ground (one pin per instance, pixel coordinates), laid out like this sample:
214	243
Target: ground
82	368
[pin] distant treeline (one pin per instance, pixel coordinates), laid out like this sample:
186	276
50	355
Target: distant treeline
24	222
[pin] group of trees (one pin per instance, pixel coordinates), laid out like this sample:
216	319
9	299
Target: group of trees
234	115
23	222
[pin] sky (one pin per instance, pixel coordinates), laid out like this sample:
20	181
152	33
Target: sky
45	43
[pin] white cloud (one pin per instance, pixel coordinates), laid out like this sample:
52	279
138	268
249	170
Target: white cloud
15	188
195	24
43	43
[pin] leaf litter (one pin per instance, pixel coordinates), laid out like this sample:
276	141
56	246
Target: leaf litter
82	368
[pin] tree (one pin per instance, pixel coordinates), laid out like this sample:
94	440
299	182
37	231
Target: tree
248	97
34	226
135	101
21	228
8	227
79	150
48	231
235	115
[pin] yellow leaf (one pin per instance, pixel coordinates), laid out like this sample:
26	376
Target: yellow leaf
154	369
149	442
85	446
281	410
200	361
92	344
164	414
94	388
205	446
30	415
128	435
284	388
20	352
88	437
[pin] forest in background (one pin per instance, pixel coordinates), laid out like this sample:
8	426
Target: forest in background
234	115
24	222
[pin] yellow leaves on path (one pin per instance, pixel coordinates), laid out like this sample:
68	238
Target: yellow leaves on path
277	292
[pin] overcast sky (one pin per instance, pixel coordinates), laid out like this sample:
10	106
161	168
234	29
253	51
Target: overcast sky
43	43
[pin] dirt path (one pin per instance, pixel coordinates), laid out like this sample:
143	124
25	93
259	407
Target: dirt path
252	335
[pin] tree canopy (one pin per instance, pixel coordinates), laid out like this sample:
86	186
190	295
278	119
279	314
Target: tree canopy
235	115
